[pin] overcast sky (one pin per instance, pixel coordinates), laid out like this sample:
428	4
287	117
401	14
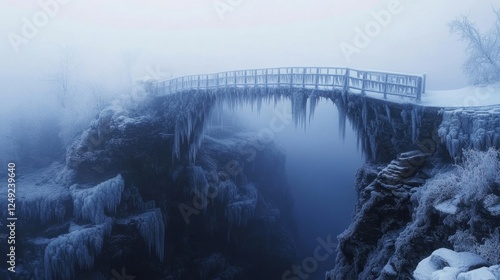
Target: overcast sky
203	36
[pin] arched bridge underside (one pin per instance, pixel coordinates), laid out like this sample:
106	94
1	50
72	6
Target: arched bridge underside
191	100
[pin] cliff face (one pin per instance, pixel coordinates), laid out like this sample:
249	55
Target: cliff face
386	129
412	200
144	193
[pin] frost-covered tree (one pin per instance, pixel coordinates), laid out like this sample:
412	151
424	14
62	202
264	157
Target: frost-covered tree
483	49
64	76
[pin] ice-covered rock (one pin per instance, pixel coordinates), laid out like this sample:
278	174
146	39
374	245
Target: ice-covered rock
92	203
79	247
492	204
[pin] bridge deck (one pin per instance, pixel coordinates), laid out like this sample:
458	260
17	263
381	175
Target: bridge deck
320	78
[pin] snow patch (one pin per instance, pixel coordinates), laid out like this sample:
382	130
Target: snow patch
441	258
482	273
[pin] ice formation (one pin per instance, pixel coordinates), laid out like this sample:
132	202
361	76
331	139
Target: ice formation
79	247
44	204
91	204
473	128
44	197
197	182
152	229
239	212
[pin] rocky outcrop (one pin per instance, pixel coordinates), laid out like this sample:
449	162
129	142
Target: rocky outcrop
382	213
398	223
146	193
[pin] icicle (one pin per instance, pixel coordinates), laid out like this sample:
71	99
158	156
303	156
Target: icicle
90	204
416	119
364	114
313	101
79	247
342	121
240	212
152	229
197	182
299	108
44	204
388	112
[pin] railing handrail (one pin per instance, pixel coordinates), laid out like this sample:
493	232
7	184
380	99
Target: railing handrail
326	78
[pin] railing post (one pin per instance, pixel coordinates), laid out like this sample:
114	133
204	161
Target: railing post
304	77
363	84
424	81
279	77
317	78
385	85
420	83
291	78
225	74
346	80
266	77
255	78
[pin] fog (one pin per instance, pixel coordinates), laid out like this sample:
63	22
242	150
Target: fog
101	48
193	37
321	167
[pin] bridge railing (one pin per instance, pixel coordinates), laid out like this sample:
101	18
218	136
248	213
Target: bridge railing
320	78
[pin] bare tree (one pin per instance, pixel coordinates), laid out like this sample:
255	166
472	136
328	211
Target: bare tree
483	50
65	75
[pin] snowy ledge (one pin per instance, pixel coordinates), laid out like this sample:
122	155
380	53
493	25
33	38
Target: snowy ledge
471	96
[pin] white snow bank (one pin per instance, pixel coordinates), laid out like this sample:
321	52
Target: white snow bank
442	258
471	96
447	273
482	273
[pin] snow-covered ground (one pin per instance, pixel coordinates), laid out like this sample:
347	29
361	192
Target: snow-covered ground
471	96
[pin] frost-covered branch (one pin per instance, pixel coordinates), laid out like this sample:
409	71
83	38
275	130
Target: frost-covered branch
483	50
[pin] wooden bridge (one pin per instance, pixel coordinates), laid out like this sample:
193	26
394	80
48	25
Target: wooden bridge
318	78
